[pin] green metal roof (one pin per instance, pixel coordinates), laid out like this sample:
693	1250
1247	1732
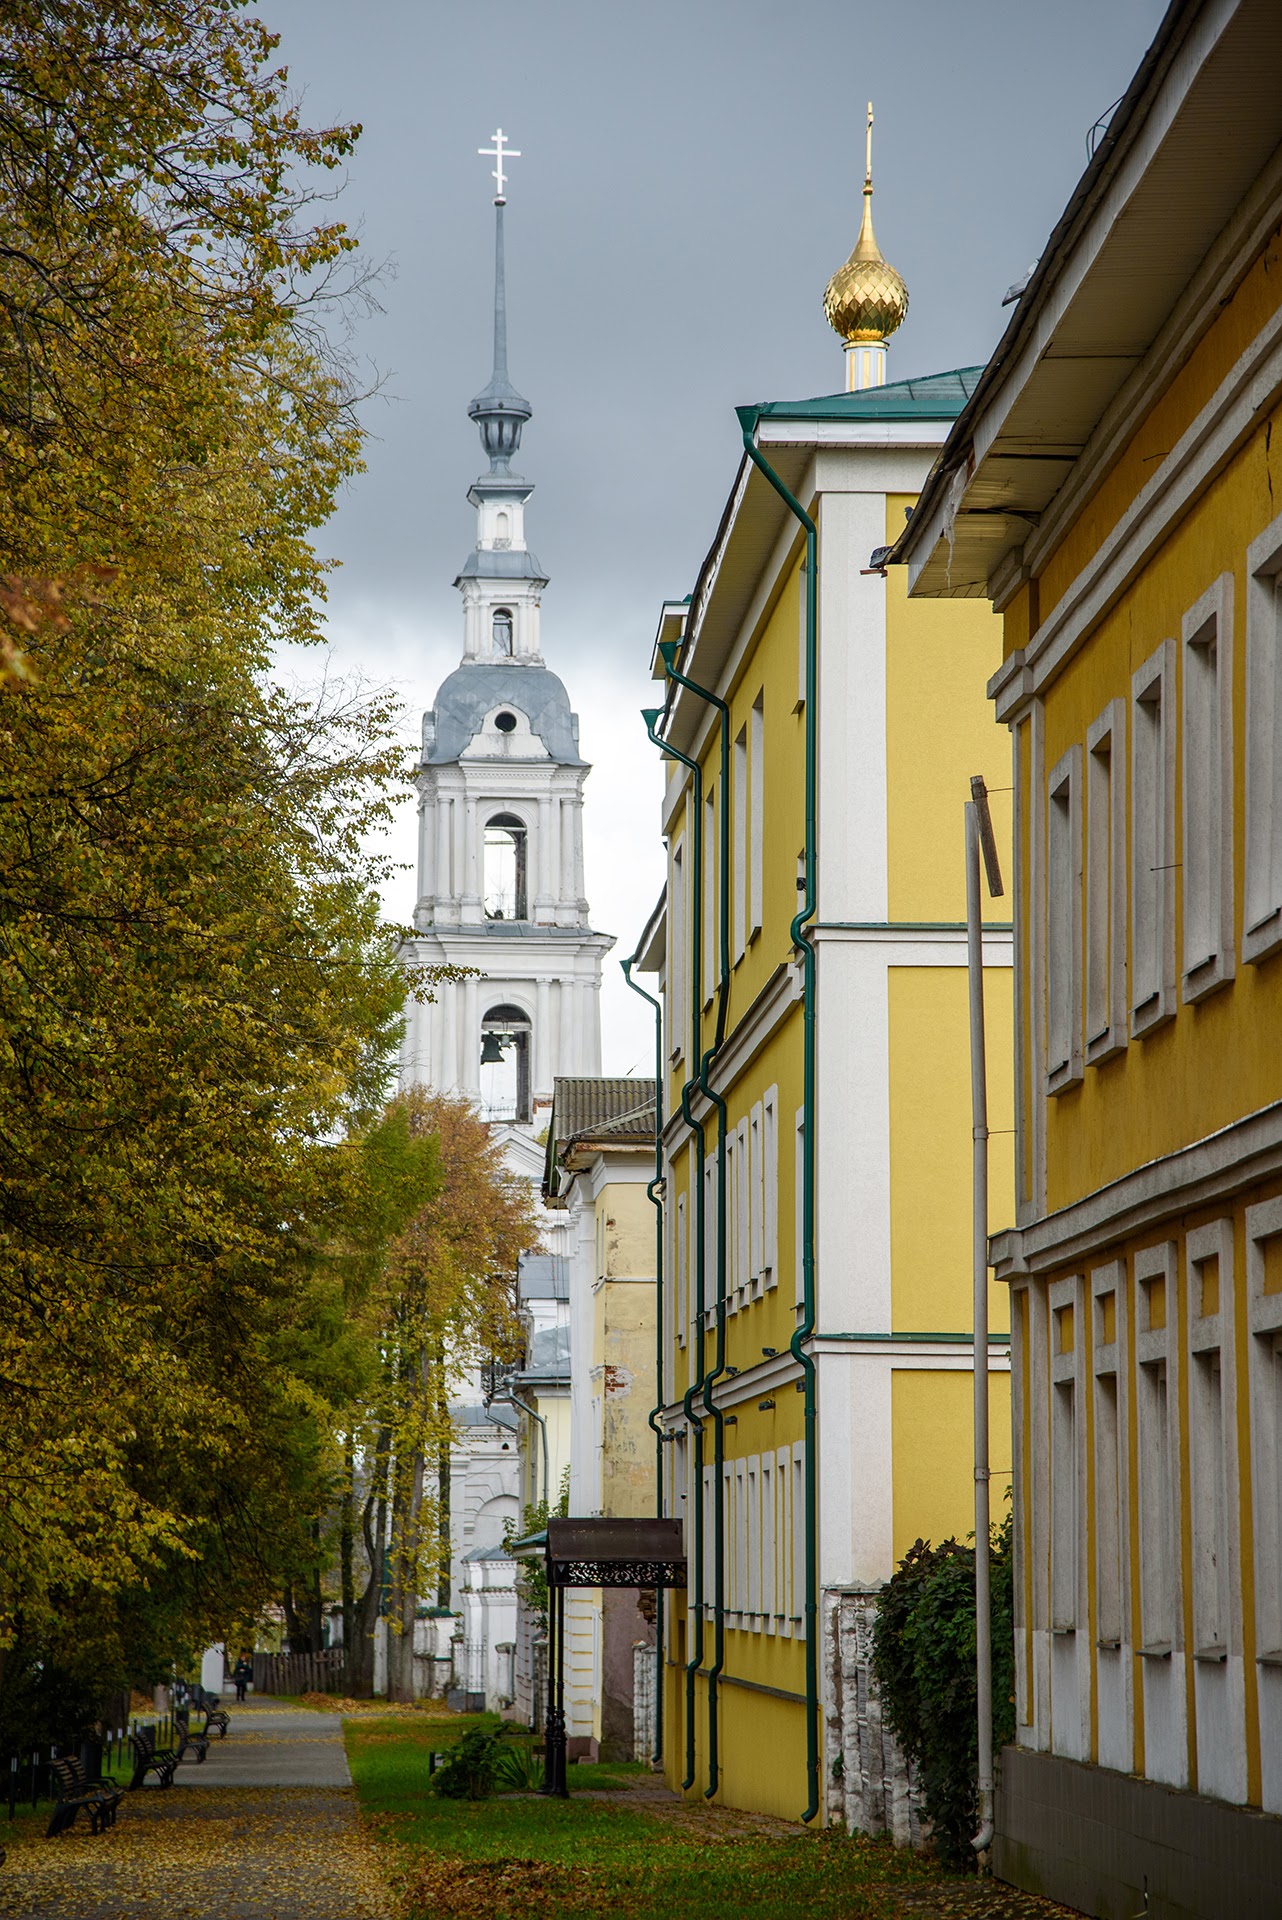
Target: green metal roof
936	396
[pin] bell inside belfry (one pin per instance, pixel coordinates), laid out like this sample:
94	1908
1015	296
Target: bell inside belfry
491	1050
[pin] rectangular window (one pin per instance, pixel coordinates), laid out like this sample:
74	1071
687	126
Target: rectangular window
678	1013
1106	884
732	1190
740	856
1108	1511
1264	1318
742	1218
797	1615
1207	789
1262	928
752	1595
798	1208
768	1528
770	1188
1157	1546
709	897
756	1211
1064	923
1152	842
740	1537
757	825
783	1541
709	1241
1064	1516
683	1276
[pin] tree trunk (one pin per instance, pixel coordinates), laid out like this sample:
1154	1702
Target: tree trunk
315	1605
360	1658
444	1538
347	1545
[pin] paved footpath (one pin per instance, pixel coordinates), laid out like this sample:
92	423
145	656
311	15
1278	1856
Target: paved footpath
265	1829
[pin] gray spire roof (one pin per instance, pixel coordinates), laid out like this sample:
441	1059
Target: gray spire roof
499	410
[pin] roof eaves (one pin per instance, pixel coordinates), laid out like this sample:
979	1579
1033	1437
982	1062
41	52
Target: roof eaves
957	451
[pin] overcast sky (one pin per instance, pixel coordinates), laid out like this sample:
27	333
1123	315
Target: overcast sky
690	178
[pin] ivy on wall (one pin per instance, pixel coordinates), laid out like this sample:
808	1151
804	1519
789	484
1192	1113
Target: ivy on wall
924	1662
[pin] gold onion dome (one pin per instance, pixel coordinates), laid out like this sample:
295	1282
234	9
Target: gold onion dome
866	299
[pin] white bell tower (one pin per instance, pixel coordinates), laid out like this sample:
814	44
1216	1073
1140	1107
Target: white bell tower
500	782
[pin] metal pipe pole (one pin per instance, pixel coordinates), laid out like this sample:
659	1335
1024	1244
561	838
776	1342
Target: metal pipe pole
979	1216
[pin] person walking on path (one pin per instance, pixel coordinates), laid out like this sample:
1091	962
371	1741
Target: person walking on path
241	1675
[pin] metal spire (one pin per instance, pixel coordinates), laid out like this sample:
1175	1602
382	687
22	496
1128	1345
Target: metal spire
500	411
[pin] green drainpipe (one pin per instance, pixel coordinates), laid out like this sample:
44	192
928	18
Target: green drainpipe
654	1194
748	418
694	1426
669	649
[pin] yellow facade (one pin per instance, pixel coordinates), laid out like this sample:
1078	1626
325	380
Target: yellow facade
900	725
1142	682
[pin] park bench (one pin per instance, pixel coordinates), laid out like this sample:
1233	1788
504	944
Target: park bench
148	1760
189	1743
76	1791
215	1714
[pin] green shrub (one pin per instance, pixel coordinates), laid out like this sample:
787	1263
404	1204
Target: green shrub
468	1771
924	1663
519	1769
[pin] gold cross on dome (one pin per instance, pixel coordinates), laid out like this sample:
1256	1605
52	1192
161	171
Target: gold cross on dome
498	155
868	150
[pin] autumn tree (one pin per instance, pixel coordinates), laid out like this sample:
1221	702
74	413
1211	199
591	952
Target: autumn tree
446	1306
197	996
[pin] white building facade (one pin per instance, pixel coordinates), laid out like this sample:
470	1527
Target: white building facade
500	893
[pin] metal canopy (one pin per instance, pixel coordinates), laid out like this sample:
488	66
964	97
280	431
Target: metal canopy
615	1553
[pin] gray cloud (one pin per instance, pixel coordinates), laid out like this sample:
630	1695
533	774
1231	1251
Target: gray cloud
689	180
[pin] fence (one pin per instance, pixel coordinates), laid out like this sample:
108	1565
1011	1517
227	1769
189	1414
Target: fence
283	1673
26	1779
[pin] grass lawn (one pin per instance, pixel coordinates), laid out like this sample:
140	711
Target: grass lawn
622	1844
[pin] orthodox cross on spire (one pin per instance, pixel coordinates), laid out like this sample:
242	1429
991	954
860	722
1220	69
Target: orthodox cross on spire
500	412
498	155
868	154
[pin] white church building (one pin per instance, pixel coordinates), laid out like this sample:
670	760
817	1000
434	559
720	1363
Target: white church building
500	891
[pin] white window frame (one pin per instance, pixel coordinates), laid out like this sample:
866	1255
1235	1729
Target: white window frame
741	1219
1207	792
1262	906
1213	1480
797	1618
1264	1323
1152	985
1160	1569
683	1315
1068	1460
769	1533
709	897
757	1198
732	1238
783	1543
678	971
1105	877
1109	1361
770	1188
1064	923
757	814
739	858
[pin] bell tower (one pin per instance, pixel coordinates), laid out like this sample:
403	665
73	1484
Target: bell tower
500	813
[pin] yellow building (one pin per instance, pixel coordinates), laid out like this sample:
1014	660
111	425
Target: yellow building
1113	488
599	1164
819	732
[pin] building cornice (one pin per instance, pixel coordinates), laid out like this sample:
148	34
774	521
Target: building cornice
1206	1173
